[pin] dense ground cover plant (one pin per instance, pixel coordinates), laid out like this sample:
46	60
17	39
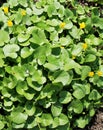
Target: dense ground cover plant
51	68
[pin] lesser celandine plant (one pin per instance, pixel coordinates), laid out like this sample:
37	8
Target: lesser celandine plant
51	68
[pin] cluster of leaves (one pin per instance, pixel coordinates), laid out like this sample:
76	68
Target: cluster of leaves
51	68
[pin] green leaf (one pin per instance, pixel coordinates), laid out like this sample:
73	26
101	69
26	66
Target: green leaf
37	11
63	119
79	91
30	108
55	123
81	122
23	37
56	109
34	84
77	49
41	53
92	112
11	82
46	119
69	24
51	10
38	37
1	62
85	70
53	22
18	72
17	116
31	122
87	88
21	87
62	76
1	125
18	18
75	32
61	11
90	58
80	9
7	102
94	95
23	3
4	37
10	50
25	52
65	97
13	3
29	95
76	105
68	13
71	64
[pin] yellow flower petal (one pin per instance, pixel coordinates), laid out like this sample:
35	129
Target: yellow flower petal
82	25
91	74
62	47
84	46
10	23
99	73
73	57
23	12
5	9
62	25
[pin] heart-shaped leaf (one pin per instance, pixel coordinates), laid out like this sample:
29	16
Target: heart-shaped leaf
4	37
10	50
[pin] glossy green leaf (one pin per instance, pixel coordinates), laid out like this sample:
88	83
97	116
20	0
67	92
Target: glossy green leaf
85	71
18	72
25	52
46	119
65	97
18	117
30	108
21	87
76	33
77	49
23	37
37	11
34	84
81	122
56	109
76	105
63	119
23	3
94	95
1	125
90	58
10	50
55	122
79	91
62	76
51	10
38	37
4	37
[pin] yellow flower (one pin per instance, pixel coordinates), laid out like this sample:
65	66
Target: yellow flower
5	9
99	73
84	46
10	23
91	74
62	25
82	25
62	47
73	57
23	12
